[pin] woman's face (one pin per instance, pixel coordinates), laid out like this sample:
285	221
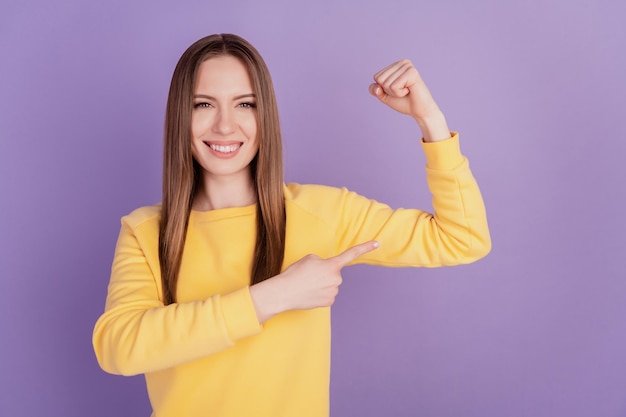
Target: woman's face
223	123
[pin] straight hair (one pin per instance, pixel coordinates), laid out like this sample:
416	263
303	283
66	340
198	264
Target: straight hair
181	172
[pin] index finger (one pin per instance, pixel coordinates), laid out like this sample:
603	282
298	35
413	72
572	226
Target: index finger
354	252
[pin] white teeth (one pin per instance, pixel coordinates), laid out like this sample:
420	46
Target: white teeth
225	148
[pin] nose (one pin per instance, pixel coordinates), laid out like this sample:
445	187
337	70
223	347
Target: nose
224	123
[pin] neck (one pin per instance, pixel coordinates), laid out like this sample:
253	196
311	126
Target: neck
216	192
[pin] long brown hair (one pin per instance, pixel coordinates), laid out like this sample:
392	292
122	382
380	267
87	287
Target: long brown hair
181	173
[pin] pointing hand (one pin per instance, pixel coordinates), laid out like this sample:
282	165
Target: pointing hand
310	282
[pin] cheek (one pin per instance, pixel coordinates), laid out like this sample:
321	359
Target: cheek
195	148
249	126
199	125
252	132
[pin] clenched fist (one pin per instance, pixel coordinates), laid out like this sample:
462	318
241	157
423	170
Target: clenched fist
401	87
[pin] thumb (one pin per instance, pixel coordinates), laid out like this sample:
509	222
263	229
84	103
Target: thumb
354	252
377	91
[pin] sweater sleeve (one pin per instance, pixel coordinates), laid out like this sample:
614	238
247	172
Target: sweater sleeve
455	233
138	334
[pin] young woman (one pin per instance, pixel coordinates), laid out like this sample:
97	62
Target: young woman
220	294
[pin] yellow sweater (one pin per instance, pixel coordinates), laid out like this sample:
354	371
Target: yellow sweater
208	355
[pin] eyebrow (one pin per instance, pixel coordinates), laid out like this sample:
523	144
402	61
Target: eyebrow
252	95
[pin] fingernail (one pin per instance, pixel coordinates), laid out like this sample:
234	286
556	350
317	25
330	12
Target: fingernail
376	243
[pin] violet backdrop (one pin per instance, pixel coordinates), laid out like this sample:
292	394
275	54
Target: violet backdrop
536	88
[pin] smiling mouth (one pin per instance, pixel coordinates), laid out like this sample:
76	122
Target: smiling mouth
224	148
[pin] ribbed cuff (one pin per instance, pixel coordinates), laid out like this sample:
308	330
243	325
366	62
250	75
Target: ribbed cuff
239	314
443	154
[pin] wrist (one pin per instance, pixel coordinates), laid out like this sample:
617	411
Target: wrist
433	126
267	297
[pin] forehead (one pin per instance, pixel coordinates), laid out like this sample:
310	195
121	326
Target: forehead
223	74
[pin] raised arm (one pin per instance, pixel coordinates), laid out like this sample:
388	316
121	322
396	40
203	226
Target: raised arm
456	231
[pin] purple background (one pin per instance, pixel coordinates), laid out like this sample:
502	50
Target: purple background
538	328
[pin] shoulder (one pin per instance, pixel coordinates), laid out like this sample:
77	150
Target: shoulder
324	202
147	215
312	195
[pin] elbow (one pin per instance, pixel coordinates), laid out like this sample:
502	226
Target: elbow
472	248
482	248
112	363
479	246
109	354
